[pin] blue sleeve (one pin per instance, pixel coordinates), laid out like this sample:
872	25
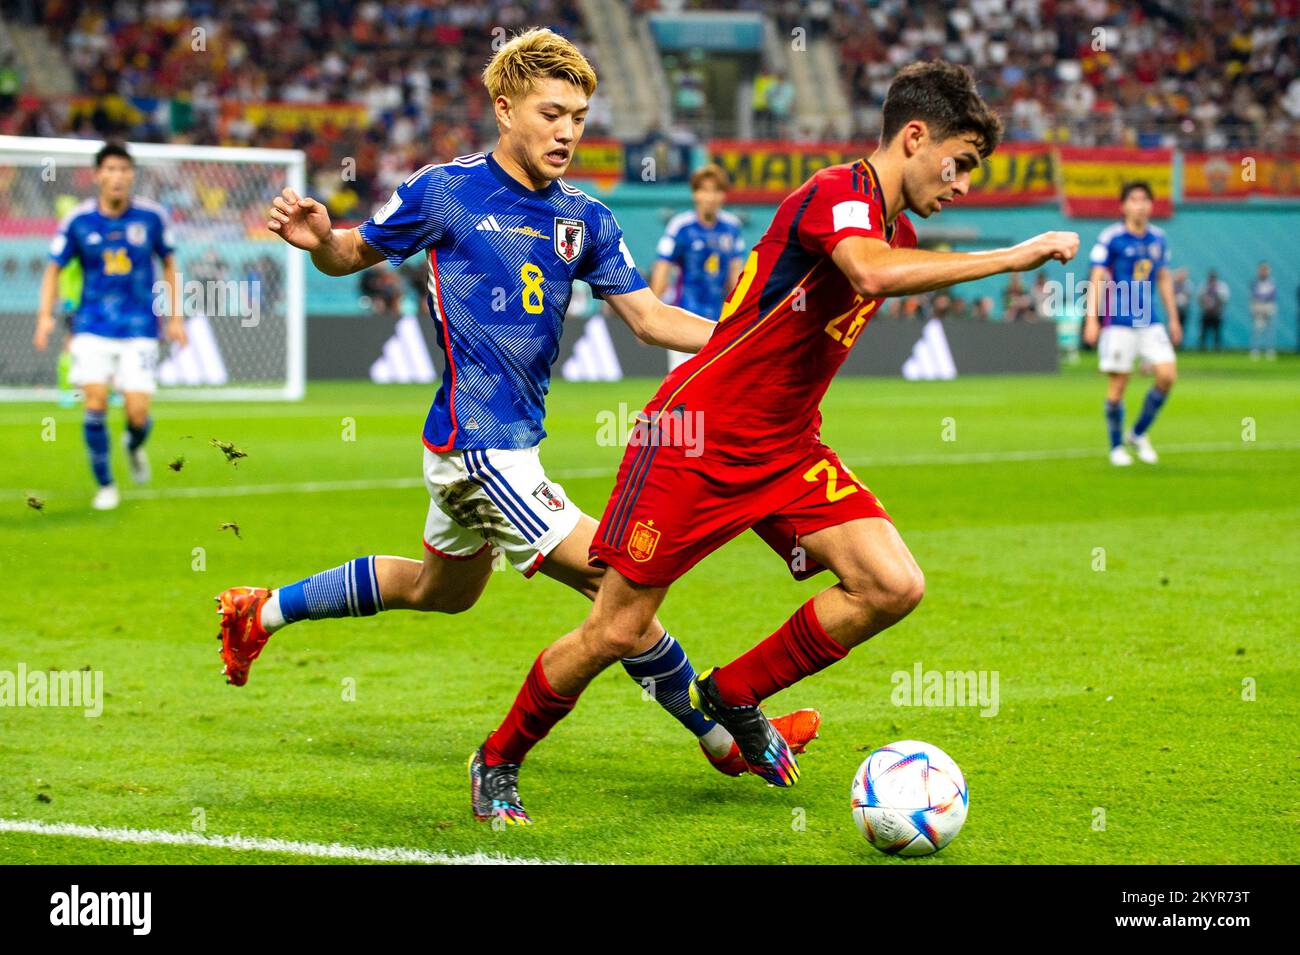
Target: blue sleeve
164	243
739	249
63	248
608	267
1101	254
669	249
412	219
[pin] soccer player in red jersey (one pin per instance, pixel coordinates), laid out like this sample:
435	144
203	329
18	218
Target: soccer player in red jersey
837	247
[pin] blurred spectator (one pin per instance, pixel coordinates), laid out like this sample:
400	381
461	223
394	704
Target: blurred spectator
1263	311
1182	292
10	83
1042	299
381	292
1213	298
1017	304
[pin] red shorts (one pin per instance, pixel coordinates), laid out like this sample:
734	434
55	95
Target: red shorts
670	510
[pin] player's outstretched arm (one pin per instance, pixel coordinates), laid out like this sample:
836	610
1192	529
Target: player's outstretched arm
45	310
658	324
305	224
877	270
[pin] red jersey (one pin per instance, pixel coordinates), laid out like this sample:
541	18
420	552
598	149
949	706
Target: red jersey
789	323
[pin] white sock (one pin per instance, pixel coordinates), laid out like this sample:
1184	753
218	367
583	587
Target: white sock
271	617
717	741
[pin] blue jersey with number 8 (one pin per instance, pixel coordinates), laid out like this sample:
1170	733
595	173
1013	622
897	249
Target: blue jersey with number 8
502	260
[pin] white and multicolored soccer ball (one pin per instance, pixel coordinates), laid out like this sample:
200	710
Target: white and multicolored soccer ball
909	798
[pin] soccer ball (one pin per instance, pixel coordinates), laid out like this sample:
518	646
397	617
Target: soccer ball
909	798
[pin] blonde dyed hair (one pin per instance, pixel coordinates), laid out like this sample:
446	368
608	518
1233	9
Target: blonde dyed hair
536	54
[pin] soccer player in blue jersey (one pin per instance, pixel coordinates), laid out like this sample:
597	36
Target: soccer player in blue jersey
1128	263
115	237
705	247
506	237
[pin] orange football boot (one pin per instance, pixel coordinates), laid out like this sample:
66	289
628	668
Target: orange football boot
798	729
242	636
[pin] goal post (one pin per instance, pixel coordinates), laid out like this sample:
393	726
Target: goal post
242	289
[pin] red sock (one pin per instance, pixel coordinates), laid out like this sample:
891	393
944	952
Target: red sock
537	708
799	649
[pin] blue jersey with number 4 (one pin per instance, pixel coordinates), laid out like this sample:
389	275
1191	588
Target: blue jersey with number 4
116	255
703	255
502	260
1134	263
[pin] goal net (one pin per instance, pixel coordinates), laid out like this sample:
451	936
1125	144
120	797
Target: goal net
242	289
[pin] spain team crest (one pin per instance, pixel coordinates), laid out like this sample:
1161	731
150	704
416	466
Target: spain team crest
641	545
568	237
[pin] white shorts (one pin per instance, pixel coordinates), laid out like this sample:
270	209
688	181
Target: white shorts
1120	345
128	363
501	499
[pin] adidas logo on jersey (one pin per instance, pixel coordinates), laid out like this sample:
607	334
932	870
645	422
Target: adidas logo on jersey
931	358
489	224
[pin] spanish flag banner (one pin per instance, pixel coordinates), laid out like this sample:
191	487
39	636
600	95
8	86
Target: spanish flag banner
767	172
1091	178
1238	175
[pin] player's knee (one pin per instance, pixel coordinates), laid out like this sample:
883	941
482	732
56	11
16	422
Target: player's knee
895	592
608	642
904	590
1165	380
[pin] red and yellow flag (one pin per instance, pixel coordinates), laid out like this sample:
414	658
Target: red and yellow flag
1091	177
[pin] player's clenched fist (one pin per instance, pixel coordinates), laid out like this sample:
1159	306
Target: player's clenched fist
302	222
1030	254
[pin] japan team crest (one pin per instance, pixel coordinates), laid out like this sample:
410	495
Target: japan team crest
550	500
568	238
136	233
641	545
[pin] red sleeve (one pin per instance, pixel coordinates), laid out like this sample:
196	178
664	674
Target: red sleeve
838	210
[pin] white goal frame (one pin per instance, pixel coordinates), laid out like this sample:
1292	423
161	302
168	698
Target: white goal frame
34	151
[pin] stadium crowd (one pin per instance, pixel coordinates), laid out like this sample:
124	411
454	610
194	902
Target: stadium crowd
1198	74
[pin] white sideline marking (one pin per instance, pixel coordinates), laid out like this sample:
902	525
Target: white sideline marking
913	460
319	850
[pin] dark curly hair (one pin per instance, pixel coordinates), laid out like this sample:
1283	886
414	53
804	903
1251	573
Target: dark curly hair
943	96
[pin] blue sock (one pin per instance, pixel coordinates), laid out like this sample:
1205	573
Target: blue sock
1155	400
1115	422
666	672
95	429
351	590
138	435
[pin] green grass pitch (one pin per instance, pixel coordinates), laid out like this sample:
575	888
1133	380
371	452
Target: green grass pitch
1147	711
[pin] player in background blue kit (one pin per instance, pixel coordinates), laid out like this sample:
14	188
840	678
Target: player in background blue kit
706	248
115	237
505	238
1128	264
